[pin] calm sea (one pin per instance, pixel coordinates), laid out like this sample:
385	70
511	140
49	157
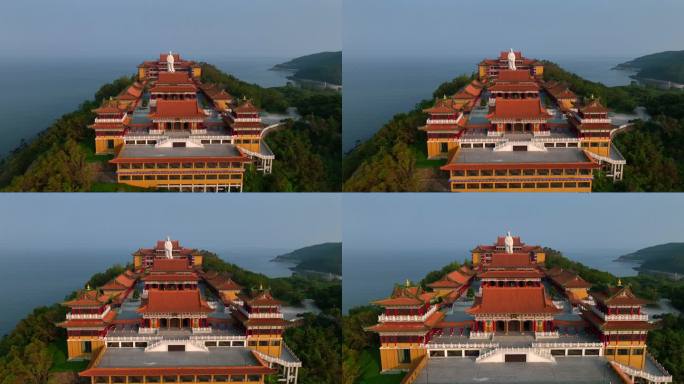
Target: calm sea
377	89
35	93
30	279
370	275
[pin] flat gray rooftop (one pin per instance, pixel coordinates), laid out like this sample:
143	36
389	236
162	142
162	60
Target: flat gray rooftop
138	358
566	370
149	151
552	155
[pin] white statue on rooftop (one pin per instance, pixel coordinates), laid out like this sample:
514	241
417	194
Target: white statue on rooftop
508	243
169	62
168	248
511	60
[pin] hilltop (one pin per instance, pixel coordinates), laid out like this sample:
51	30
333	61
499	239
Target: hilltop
667	66
663	257
326	258
323	66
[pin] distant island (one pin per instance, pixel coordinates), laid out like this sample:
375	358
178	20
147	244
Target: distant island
323	67
664	66
663	257
324	258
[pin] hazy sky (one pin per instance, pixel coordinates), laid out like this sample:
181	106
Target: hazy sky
561	221
433	28
113	221
87	28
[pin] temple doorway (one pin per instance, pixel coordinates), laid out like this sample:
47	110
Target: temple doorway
175	323
527	326
186	323
163	323
514	326
500	326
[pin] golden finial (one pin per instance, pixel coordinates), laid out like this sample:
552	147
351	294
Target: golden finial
444	97
619	282
408	283
261	287
88	287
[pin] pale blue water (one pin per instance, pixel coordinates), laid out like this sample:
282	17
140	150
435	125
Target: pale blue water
370	275
377	89
35	93
29	279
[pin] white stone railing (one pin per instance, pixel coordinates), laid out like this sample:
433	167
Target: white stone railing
390	318
625	317
480	335
132	338
444	121
546	335
541	133
605	121
538	351
494	133
265	315
566	345
198	131
105	120
147	331
219	337
155	131
664	378
201	330
87	316
279	361
247	120
438	346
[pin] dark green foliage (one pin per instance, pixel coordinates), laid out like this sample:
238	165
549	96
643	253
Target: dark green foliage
667	345
323	66
326	257
663	257
317	342
267	98
451	87
53	161
668	66
433	276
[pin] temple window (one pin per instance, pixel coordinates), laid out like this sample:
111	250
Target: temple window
500	172
501	186
472	172
623	352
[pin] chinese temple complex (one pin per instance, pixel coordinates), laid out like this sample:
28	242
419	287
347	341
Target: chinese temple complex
508	307
170	131
510	130
173	322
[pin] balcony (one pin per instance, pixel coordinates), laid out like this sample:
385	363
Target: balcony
412	318
265	315
87	316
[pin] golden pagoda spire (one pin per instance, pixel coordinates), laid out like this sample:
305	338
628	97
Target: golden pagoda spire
619	282
408	283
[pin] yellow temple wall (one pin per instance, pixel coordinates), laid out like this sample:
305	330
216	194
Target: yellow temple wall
101	145
75	348
580	293
230	294
475	257
141	74
250	143
145	179
539	70
541	257
389	357
455	188
137	261
197	71
482	71
270	349
434	148
632	360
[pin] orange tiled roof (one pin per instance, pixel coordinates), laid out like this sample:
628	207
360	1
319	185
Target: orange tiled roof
510	260
518	109
177	109
246	107
443	105
514	75
513	300
89	298
522	274
164	301
89	323
170	265
617	296
173	78
594	106
263	298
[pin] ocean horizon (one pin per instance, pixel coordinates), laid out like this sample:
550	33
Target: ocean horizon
31	278
37	91
377	88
